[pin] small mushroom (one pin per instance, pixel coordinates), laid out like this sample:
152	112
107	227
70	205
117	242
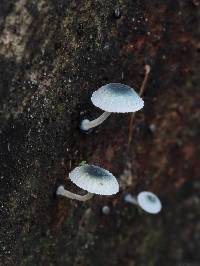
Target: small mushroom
106	210
93	179
146	200
149	202
113	98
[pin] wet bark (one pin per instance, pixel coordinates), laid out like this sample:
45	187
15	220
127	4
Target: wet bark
53	55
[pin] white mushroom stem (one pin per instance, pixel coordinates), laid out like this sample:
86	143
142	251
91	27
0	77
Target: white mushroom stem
61	191
87	124
130	199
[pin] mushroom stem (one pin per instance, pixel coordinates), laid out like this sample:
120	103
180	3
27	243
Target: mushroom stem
87	124
61	191
130	199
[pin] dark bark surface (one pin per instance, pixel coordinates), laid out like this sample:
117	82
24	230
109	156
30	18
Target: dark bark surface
53	55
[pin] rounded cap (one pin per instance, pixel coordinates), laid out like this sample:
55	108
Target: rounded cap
117	98
105	210
94	179
149	202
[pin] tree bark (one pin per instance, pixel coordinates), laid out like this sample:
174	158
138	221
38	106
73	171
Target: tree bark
53	55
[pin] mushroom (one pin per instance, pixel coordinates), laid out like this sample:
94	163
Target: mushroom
93	179
106	210
146	200
149	202
113	98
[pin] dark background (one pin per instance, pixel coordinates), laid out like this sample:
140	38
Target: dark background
53	55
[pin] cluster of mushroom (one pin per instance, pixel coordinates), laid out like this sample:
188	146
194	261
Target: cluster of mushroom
111	98
96	180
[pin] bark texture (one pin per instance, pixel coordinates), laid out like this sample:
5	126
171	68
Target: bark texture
53	55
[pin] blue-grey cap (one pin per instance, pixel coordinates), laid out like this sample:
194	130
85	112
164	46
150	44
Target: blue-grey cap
94	179
117	98
149	202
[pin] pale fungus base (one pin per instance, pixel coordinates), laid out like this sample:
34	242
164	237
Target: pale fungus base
87	124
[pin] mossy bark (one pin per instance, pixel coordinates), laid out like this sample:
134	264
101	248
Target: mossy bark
53	55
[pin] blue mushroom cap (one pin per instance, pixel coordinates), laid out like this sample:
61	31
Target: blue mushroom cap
94	179
149	202
117	98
